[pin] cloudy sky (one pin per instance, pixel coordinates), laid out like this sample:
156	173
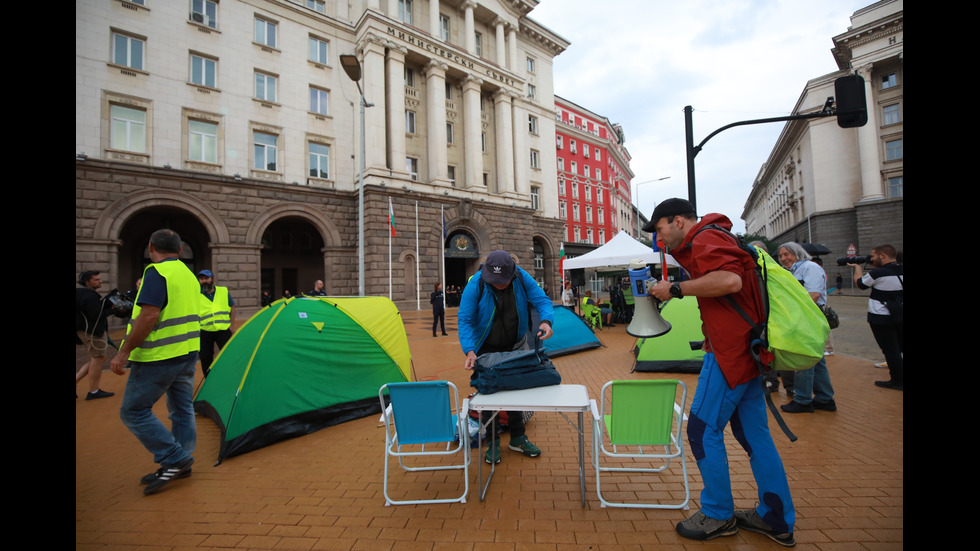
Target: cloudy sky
640	62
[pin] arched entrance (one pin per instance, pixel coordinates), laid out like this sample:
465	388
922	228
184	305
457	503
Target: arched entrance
133	253
462	258
292	257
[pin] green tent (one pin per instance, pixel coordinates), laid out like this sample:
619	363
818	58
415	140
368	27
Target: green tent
303	364
672	352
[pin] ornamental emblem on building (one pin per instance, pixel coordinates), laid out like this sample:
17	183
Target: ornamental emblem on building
462	243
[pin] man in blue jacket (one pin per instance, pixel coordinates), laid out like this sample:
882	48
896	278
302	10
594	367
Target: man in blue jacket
495	316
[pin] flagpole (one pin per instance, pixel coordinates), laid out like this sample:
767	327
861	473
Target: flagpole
418	283
391	222
442	256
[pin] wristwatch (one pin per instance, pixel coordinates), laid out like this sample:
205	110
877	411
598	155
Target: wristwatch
675	290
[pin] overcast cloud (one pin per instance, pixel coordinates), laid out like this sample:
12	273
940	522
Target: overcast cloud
639	62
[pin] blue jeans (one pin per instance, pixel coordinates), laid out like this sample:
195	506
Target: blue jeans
714	406
813	385
147	383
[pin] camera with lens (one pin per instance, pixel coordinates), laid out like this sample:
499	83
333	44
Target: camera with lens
845	260
119	303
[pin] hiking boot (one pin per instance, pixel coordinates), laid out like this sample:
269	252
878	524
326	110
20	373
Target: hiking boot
167	474
523	445
796	407
829	405
98	394
750	520
156	474
701	528
890	384
492	455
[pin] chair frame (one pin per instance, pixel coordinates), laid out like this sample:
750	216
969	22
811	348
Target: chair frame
672	450
393	447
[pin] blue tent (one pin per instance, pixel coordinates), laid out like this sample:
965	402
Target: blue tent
571	334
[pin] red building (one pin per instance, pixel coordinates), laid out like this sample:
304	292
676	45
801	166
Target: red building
593	177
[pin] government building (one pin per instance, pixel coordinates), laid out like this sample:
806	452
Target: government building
235	124
842	187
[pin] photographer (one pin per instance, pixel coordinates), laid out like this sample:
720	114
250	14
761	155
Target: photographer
91	313
885	308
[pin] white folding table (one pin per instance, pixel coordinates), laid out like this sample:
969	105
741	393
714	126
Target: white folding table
559	398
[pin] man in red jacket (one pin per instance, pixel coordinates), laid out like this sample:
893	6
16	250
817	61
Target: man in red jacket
729	388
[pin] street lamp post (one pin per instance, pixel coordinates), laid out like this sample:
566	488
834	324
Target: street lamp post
638	184
353	69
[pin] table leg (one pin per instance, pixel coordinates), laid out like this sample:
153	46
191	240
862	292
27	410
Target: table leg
581	456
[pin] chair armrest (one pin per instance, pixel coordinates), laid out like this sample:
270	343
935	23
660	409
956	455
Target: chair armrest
679	411
595	409
386	413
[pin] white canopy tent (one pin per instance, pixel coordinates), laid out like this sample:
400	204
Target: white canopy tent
618	252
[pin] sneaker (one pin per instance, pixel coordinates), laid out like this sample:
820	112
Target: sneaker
701	528
523	445
750	520
156	474
492	455
98	394
772	387
796	407
890	384
167	474
829	405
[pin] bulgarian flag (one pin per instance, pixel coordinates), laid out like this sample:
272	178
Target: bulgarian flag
561	263
391	218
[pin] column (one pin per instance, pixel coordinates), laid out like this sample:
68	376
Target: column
372	54
469	28
435	112
472	128
521	153
501	51
434	20
395	107
503	120
512	48
869	146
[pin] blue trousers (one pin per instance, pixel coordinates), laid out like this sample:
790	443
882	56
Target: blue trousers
813	385
148	382
715	405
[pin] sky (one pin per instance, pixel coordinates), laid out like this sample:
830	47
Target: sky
640	62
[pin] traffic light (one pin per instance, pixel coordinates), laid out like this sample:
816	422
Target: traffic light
852	106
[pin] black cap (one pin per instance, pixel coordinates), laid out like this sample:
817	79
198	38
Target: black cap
499	268
670	207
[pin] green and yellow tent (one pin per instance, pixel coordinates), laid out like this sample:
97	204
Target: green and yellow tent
303	364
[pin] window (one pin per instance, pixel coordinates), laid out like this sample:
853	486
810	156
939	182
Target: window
265	87
577	235
574	213
588	214
532	124
450	137
319	51
530	64
265	32
532	91
588	235
319	101
574	190
444	27
602	213
585	150
538	261
412	167
535	160
889	81
451	170
319	160
588	190
561	186
574	167
405	11
409	77
205	12
598	196
410	121
479	43
204	71
202	141
449	91
891	114
587	172
317	5
266	150
483	141
896	186
893	150
602	237
535	197
561	163
558	141
571	146
598	174
598	154
563	211
128	129
127	51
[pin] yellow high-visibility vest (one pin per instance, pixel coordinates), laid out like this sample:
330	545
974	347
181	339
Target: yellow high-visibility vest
177	332
216	314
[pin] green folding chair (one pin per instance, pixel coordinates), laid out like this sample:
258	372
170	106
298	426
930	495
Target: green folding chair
421	414
592	315
638	419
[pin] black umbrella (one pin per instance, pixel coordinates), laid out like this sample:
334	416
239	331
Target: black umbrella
814	249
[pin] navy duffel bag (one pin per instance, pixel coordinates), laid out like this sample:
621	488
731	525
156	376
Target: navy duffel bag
514	370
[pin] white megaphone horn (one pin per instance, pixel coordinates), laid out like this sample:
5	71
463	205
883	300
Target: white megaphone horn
647	321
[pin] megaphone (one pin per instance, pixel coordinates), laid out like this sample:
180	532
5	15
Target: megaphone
647	321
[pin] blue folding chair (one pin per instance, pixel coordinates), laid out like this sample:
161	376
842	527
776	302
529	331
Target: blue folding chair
421	413
642	417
